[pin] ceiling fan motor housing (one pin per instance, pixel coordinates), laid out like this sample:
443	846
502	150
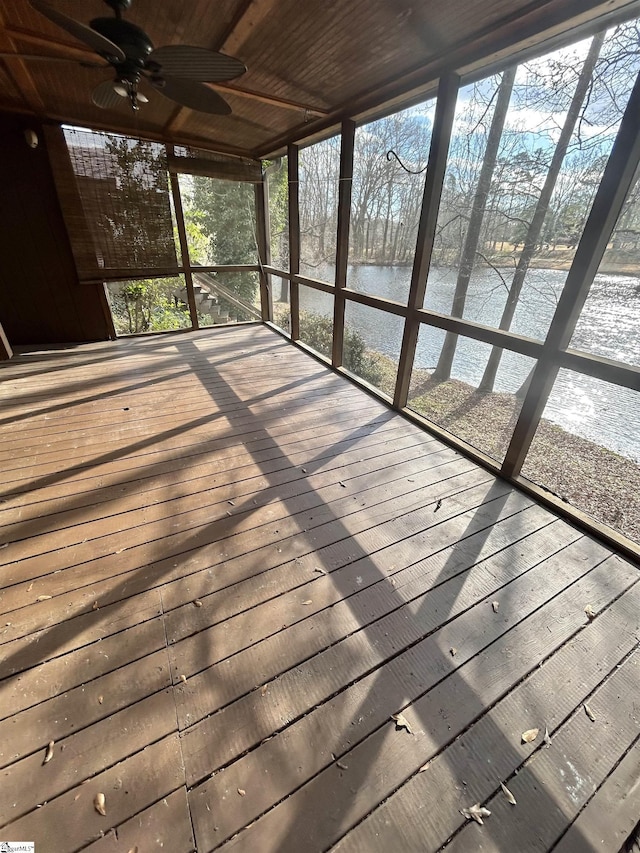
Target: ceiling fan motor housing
132	40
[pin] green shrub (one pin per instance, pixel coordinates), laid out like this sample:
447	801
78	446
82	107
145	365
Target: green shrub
316	330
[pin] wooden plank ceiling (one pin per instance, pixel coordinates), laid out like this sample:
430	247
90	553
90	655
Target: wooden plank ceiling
309	64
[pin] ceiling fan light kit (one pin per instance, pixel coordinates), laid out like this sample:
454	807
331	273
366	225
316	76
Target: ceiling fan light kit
178	72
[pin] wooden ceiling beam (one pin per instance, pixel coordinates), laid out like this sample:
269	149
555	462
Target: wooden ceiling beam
73	51
248	17
539	21
19	73
272	100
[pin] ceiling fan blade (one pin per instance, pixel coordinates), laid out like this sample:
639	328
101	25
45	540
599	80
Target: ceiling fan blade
195	63
106	97
99	43
196	96
40	58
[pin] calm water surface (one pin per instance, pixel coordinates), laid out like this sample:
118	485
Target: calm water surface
609	326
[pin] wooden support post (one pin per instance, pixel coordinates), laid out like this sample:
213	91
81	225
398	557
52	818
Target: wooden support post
438	151
294	238
5	347
616	182
184	246
342	237
264	246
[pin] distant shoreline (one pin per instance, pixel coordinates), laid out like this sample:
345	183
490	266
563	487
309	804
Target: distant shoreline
540	263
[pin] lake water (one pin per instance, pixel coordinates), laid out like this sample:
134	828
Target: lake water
609	326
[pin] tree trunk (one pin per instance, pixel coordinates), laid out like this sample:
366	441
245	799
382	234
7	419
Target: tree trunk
478	207
535	228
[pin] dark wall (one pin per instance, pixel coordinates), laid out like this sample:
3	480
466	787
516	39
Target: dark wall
41	301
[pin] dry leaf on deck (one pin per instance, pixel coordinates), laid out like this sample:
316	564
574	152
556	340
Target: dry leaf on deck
476	813
495	605
49	753
589	713
197	602
453	652
241	792
95	606
341	765
183	678
402	722
529	735
308	601
265	687
438	505
319	570
547	738
508	794
591	613
100	804
43	597
134	849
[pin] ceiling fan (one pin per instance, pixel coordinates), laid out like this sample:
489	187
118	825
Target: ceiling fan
178	72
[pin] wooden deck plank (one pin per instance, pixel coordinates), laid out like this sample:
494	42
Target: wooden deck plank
252	564
101	696
619	799
70	821
558	782
194	457
186	474
385	759
188	510
251	718
138	568
164	826
76	757
461	775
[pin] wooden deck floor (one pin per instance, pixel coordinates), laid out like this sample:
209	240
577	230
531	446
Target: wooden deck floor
224	569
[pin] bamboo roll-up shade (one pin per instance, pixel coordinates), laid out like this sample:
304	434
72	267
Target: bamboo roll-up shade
210	164
122	187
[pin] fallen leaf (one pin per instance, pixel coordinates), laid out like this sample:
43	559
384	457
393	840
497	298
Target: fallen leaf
49	753
241	792
589	713
402	722
530	735
100	804
342	484
231	503
341	765
476	812
95	606
43	597
495	605
508	794
591	613
265	687
134	849
547	738
4	545
308	601
30	587
319	570
304	470
100	700
183	678
197	602
438	505
453	652
424	767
